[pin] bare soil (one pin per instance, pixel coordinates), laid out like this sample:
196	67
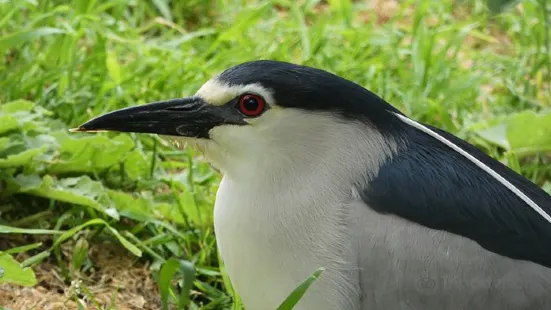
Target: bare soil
116	281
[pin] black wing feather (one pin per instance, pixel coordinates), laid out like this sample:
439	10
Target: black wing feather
429	183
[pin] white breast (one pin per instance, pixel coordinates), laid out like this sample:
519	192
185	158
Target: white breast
270	242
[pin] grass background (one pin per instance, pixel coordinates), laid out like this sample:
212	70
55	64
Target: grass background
111	221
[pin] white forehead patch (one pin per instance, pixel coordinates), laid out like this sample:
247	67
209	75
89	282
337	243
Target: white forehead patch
216	92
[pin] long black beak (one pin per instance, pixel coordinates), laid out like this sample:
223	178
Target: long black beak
189	117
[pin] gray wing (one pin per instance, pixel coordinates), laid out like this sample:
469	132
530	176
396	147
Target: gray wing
404	265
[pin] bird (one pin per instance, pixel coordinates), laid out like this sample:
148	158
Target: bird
320	172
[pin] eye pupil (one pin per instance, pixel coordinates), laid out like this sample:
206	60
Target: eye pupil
250	104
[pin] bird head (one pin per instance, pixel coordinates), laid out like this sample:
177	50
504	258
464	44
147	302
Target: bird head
264	113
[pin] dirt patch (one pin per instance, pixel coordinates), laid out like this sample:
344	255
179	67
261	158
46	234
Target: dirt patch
116	281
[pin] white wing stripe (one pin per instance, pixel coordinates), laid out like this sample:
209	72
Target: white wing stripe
477	162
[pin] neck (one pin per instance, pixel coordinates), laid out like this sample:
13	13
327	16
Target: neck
316	147
281	215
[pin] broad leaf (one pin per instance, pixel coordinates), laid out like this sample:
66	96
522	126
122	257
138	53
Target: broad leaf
96	153
524	133
11	272
82	191
528	132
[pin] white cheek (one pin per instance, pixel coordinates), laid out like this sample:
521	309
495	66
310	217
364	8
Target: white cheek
235	144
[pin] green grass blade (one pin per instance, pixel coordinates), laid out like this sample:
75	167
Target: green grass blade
166	274
68	234
14	39
15	230
24	248
295	296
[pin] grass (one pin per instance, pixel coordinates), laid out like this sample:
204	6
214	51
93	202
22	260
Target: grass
66	200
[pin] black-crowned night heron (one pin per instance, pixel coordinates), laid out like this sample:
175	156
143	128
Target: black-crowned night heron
320	172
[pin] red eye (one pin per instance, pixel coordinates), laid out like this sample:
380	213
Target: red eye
251	105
